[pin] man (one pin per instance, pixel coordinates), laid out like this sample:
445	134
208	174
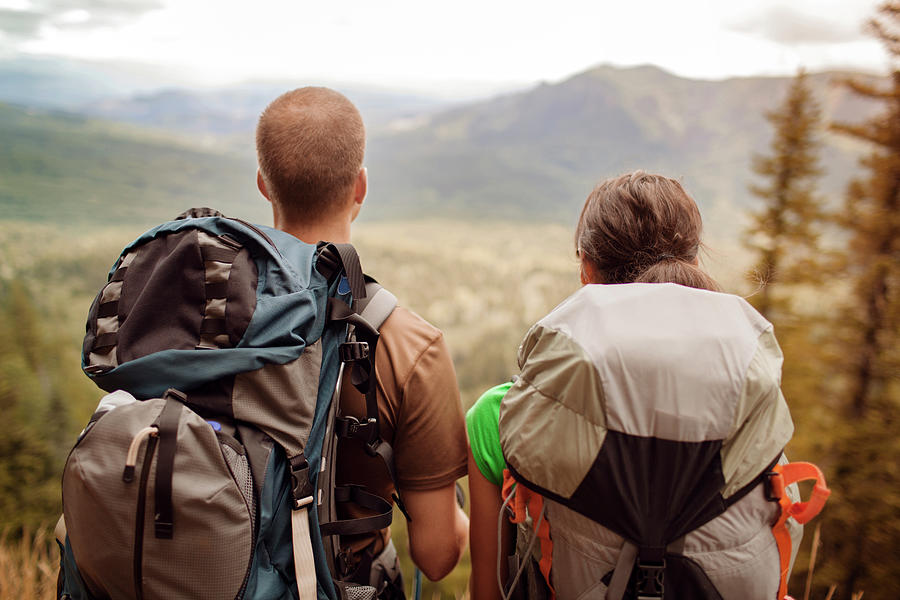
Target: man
310	145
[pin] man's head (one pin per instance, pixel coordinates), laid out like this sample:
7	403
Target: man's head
310	144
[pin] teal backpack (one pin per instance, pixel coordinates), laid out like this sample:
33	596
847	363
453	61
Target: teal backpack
206	470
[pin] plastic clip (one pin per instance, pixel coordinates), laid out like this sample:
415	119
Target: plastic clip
651	578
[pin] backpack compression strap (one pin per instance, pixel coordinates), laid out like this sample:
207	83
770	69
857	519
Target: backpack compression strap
373	311
780	477
527	503
361	352
332	259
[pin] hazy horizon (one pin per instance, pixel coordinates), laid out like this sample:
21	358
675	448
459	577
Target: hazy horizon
471	50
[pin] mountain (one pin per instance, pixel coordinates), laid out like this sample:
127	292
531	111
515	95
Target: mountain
532	155
67	84
148	96
536	154
235	109
71	170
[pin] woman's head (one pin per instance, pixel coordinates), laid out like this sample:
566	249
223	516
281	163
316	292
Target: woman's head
642	228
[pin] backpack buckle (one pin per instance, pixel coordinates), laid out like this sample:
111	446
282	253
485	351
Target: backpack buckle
774	486
301	488
651	577
351	427
353	351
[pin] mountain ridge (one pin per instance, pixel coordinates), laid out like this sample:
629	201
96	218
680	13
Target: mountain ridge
532	154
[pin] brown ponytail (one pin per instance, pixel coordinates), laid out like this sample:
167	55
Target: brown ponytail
642	228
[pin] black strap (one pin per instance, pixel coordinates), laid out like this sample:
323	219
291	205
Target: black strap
218	254
338	310
216	290
258	232
359	496
363	379
213	325
383	450
363	373
106	340
108	309
353	270
165	463
119	274
334	258
301	488
761	478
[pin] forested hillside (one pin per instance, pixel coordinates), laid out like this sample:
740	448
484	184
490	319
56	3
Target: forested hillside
63	168
535	154
530	155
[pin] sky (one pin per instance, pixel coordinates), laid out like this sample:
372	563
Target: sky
463	44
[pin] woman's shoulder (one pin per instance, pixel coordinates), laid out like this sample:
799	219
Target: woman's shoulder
487	408
482	423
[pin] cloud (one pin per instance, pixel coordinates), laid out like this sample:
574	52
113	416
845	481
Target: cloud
18	24
24	21
786	25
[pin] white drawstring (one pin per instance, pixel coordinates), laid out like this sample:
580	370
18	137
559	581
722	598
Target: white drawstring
143	434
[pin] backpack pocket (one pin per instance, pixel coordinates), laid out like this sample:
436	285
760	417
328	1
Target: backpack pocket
112	515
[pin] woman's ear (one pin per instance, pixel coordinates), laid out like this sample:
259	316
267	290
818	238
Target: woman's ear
588	272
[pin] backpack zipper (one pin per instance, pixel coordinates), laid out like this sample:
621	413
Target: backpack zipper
258	232
254	519
243	589
139	523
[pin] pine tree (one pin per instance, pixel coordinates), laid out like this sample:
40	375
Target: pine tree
862	529
784	232
29	464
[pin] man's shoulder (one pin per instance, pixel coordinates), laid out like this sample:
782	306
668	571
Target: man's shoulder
408	328
409	344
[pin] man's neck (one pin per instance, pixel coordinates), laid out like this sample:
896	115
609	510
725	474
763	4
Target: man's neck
335	230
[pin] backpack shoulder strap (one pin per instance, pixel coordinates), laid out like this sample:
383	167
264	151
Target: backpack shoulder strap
378	304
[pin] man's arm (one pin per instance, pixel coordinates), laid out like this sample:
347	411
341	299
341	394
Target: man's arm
430	455
438	530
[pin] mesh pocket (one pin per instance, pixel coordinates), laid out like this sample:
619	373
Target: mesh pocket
240	471
360	592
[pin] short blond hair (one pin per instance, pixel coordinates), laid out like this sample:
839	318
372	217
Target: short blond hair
310	144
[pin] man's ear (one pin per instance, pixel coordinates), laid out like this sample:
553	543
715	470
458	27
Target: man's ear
361	188
261	184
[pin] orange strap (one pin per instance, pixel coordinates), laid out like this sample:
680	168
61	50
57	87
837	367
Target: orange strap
781	477
528	502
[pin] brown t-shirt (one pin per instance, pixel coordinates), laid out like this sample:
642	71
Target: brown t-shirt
420	415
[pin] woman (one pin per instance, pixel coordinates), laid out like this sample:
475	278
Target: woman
637	227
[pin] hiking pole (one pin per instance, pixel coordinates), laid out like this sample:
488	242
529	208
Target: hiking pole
417	584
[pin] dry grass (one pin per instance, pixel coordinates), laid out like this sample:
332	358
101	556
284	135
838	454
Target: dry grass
28	565
812	560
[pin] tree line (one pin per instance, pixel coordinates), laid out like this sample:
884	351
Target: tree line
828	277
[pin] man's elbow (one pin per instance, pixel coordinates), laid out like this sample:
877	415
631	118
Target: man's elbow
435	567
437	555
